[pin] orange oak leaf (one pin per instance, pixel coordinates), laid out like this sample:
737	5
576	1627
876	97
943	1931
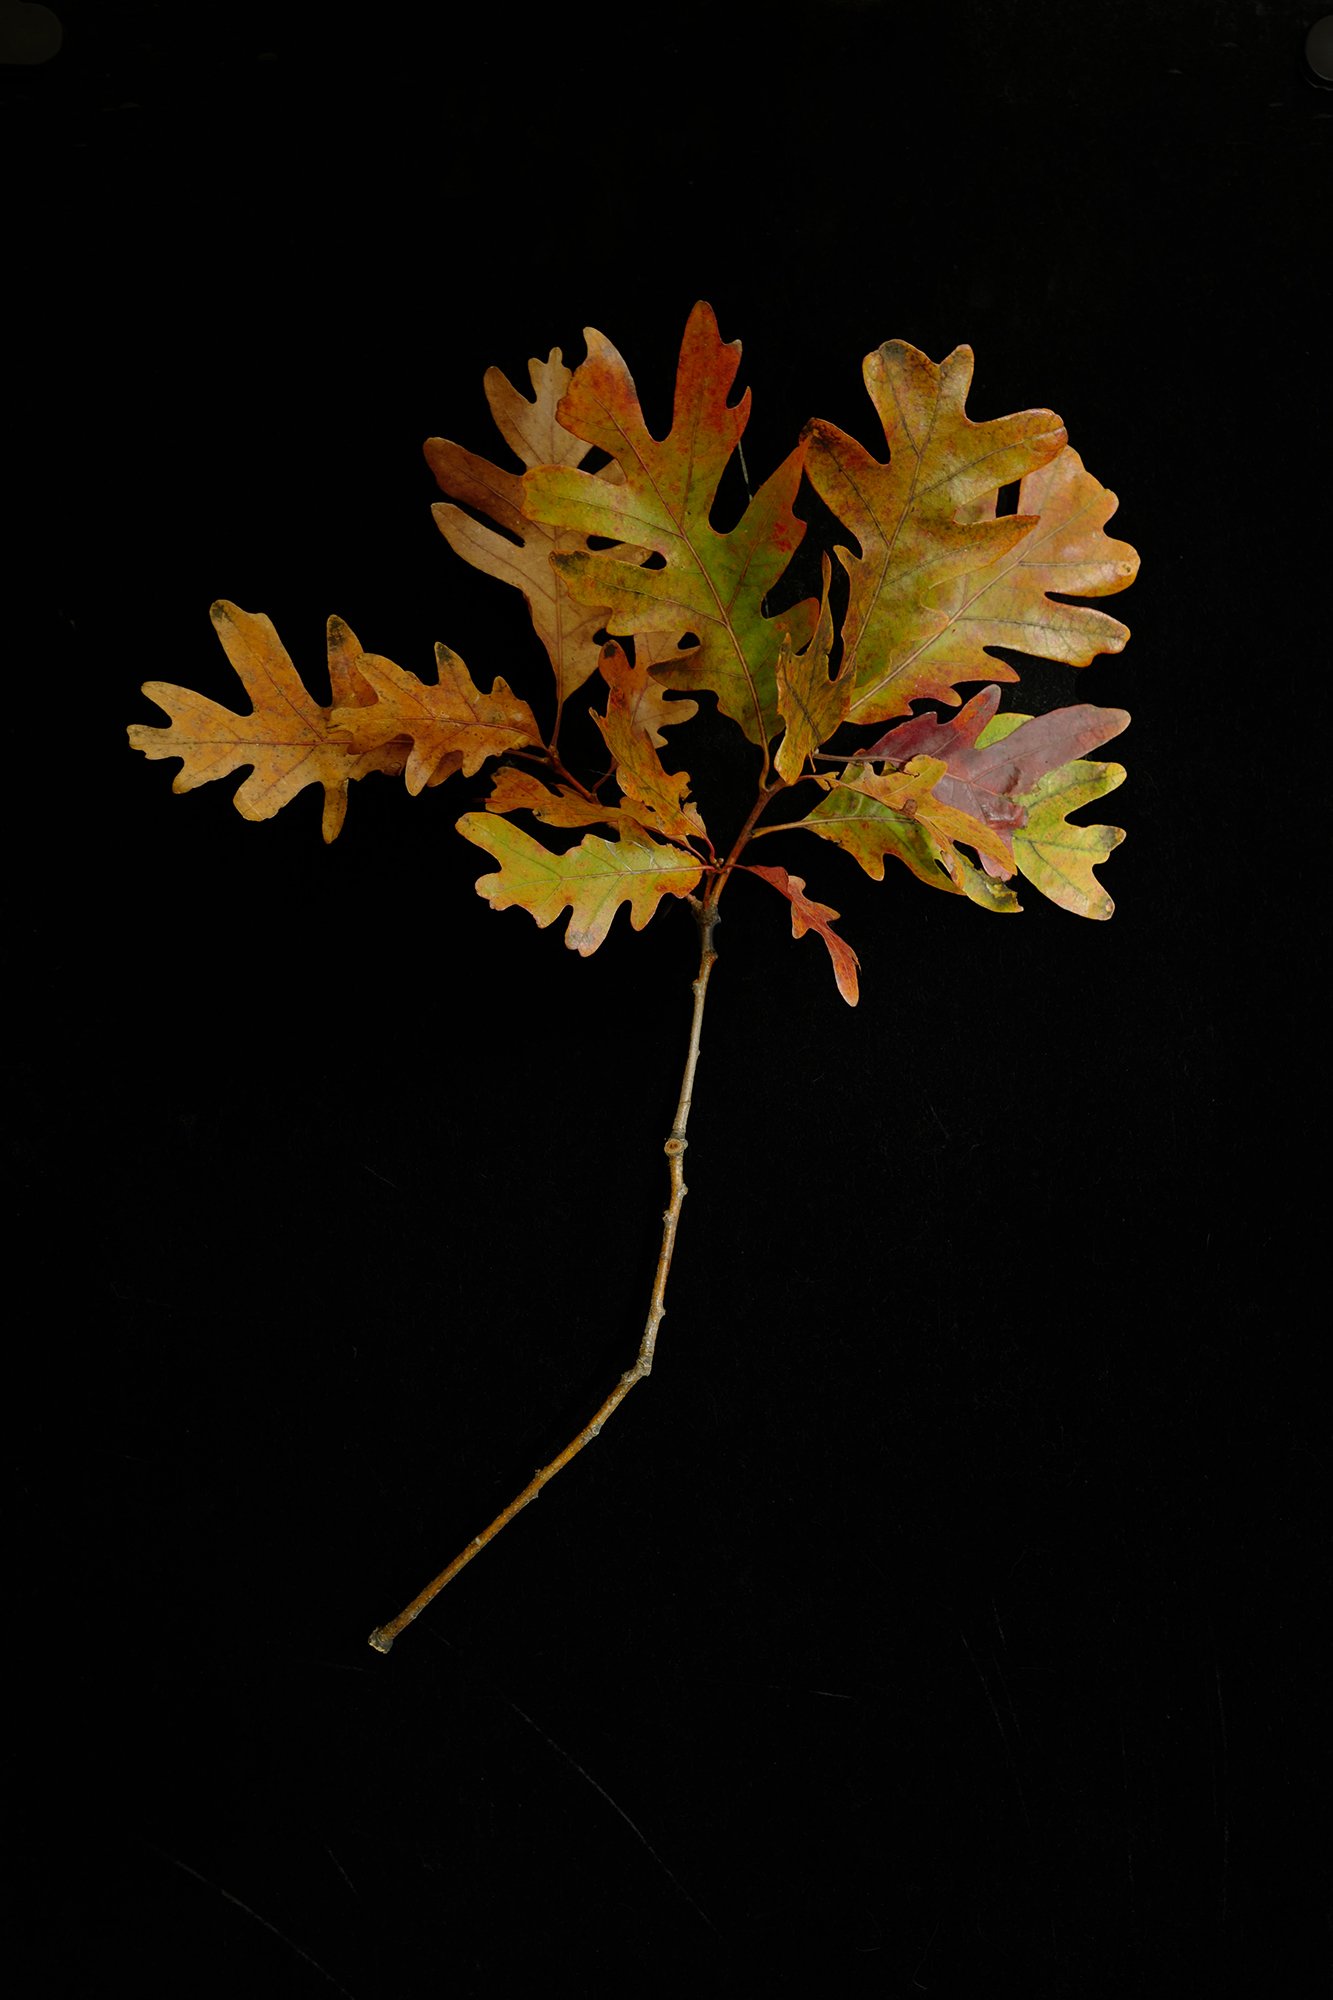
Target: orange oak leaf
703	582
452	719
807	915
908	516
658	709
661	795
1007	601
513	790
516	550
288	740
811	705
591	880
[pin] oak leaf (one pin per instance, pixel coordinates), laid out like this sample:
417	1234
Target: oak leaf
288	740
658	708
660	795
807	915
985	775
1058	858
592	880
992	761
909	516
1007	601
704	582
518	550
811	705
515	790
873	814
937	579
452	719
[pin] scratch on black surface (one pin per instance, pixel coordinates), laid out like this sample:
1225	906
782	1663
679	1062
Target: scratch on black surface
1000	1629
604	1794
341	1870
775	1687
589	1779
925	1955
1004	1736
227	1897
1129	1830
1221	1804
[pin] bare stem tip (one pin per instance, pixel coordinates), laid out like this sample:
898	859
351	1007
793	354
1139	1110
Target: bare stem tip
381	1640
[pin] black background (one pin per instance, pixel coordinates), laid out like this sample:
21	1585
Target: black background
941	1616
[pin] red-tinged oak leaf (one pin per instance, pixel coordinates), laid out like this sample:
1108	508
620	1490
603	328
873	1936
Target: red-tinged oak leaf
288	740
811	705
926	736
451	719
706	583
991	762
986	774
1010	758
1058	858
591	880
909	517
661	795
516	550
807	915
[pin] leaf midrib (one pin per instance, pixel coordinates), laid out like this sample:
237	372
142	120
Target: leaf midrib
723	615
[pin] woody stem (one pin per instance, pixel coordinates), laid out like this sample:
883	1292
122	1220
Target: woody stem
383	1636
743	838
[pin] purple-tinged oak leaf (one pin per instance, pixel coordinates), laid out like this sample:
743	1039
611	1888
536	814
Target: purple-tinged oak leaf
1058	858
991	762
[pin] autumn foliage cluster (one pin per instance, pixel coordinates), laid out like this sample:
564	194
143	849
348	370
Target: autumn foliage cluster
638	598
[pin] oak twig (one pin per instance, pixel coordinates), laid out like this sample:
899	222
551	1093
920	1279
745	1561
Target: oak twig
705	911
